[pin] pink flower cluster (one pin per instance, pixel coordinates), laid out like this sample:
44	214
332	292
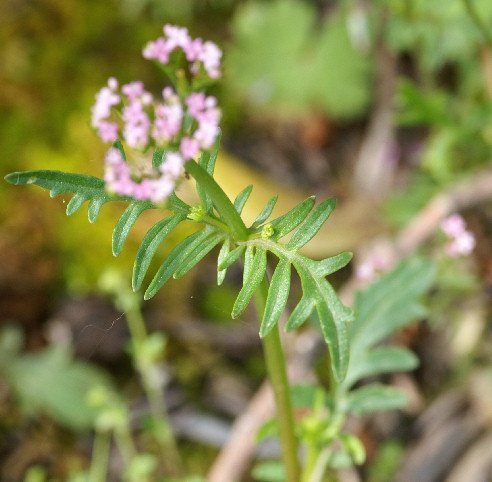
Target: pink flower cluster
196	50
461	242
133	115
120	179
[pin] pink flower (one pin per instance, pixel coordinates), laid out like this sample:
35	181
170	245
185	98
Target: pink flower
173	165
176	36
167	122
189	148
462	245
157	50
105	99
210	56
108	131
137	124
453	225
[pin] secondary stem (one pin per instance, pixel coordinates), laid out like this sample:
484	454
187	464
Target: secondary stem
275	363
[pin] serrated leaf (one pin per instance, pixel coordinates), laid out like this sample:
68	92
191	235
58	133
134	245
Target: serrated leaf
375	398
85	188
174	260
256	272
278	293
384	359
224	251
312	224
198	254
265	213
232	257
328	266
242	197
126	222
288	222
151	241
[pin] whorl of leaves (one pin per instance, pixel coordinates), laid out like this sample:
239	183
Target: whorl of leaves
302	220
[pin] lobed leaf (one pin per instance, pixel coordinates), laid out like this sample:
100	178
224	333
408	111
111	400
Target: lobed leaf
278	293
328	266
198	254
126	222
151	241
255	273
85	188
265	213
288	222
312	224
232	257
177	256
242	197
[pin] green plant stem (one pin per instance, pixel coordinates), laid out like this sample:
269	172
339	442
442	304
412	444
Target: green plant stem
153	391
274	356
223	204
275	363
100	457
475	17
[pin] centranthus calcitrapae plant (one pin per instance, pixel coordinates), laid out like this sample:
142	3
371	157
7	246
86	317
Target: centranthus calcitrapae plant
156	143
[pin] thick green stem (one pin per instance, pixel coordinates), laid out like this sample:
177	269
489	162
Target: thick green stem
275	363
223	204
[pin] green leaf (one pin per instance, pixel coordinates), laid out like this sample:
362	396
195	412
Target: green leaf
177	256
269	472
265	213
300	313
288	222
231	257
198	254
391	302
255	274
375	398
385	359
312	224
151	241
85	188
52	382
158	157
248	262
328	266
242	197
126	222
207	161
278	293
223	253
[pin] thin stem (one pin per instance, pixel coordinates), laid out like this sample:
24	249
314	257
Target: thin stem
100	457
223	204
275	363
153	390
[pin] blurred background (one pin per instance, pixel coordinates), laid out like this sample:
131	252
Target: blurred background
386	105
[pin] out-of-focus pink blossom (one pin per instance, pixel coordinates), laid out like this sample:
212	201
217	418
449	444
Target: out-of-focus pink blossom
462	245
453	225
119	179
